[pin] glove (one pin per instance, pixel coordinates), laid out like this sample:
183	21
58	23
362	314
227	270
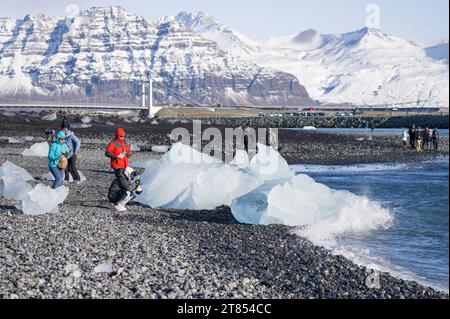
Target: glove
139	190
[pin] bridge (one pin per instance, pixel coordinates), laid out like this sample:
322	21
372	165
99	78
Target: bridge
64	106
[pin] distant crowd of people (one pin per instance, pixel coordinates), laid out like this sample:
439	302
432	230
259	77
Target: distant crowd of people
421	139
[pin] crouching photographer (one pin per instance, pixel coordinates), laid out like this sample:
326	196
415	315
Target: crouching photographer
124	188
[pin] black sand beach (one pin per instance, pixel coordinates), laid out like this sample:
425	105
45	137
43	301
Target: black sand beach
158	253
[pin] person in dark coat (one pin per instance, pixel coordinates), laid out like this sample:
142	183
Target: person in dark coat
124	188
412	136
74	144
436	138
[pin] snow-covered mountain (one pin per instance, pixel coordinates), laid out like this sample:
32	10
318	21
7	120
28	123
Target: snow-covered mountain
103	53
365	67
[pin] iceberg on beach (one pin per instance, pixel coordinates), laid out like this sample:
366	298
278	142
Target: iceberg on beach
34	201
264	190
13	188
11	170
42	200
187	179
304	202
13	181
37	149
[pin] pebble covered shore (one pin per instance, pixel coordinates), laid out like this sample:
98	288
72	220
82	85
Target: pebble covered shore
158	253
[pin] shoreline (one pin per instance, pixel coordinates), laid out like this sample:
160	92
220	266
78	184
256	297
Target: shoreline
162	253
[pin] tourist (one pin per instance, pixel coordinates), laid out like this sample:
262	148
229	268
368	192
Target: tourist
405	136
418	139
425	139
412	136
436	137
429	137
118	150
73	144
57	158
124	188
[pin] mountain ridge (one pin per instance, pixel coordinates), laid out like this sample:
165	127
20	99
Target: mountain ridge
104	53
362	67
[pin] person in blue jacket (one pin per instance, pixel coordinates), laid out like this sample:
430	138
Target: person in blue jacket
74	144
57	149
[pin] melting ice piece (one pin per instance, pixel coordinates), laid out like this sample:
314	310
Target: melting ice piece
42	200
50	117
187	179
241	159
86	119
268	164
183	154
37	149
13	188
13	181
323	211
15	140
10	169
106	267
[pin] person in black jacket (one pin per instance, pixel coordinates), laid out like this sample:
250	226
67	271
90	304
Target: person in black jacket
124	188
412	136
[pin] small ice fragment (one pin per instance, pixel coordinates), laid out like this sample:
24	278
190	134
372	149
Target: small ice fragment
42	200
105	267
37	149
50	117
86	119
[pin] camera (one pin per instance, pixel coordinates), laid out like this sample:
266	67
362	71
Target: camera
137	181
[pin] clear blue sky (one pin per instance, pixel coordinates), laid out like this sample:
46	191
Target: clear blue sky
419	20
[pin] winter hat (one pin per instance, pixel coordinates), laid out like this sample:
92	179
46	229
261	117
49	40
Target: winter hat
120	132
60	134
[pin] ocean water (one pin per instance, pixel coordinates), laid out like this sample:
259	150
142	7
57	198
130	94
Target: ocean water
416	244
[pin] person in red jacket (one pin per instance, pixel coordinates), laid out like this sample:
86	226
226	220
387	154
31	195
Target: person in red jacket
118	150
